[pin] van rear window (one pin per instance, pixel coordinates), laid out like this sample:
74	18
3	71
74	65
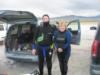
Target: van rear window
1	28
98	34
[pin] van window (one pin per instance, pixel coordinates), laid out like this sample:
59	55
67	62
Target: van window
1	27
14	30
73	26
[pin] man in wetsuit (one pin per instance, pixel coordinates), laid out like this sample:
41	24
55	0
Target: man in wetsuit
43	39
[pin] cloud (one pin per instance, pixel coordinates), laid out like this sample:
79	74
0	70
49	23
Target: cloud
39	6
53	7
84	5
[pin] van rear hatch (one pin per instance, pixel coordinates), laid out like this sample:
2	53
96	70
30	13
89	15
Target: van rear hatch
12	16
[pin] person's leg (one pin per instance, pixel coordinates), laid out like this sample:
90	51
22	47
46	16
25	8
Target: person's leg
66	59
49	61
66	66
61	62
41	61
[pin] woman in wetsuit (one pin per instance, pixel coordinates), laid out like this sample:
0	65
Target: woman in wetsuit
62	40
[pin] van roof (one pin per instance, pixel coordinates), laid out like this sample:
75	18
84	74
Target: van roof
10	15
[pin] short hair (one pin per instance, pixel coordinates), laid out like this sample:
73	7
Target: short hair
45	15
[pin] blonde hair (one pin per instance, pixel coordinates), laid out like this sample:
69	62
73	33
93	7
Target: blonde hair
62	23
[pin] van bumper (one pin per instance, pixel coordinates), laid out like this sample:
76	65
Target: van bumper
22	57
95	69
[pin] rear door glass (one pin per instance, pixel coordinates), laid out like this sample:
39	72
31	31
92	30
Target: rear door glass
98	34
1	27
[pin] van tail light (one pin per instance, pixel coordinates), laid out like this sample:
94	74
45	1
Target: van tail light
94	48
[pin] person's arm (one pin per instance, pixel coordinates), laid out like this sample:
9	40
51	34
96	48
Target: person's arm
35	35
56	45
54	39
69	38
34	40
54	28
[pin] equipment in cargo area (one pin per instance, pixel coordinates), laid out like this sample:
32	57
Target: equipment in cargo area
20	37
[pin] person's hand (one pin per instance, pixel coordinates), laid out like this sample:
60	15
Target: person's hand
60	50
34	51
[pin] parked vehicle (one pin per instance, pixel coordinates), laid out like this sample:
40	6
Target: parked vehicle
21	22
3	30
95	54
93	28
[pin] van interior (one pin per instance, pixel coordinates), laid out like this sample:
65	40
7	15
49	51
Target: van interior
20	37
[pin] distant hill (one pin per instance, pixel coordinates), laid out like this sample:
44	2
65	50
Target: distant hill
81	18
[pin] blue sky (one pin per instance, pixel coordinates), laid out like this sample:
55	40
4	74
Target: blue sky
54	7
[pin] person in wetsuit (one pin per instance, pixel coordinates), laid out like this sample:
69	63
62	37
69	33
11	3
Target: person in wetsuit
62	41
43	39
25	38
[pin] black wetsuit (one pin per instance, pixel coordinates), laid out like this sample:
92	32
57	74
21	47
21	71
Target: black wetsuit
44	32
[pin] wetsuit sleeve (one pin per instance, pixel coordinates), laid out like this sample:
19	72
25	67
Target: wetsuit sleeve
54	28
69	38
56	45
36	31
53	36
54	39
